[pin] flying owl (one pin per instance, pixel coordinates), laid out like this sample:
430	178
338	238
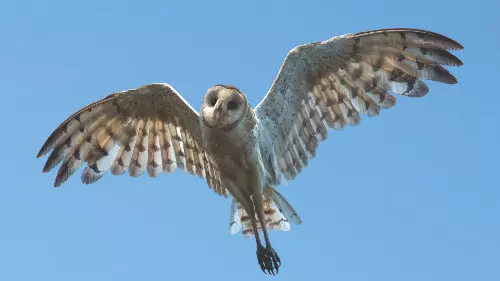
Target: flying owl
245	152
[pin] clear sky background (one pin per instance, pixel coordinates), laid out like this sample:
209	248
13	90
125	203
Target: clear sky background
410	195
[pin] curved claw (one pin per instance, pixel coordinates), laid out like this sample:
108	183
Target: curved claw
274	258
268	260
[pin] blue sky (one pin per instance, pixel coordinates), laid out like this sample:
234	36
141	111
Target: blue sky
410	195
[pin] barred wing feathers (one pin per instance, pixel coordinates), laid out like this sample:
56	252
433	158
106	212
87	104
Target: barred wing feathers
331	84
149	129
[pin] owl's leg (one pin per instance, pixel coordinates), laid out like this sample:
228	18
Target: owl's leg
264	260
273	257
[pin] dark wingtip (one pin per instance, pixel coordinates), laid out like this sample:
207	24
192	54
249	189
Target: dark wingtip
458	45
42	152
453	45
46	167
46	146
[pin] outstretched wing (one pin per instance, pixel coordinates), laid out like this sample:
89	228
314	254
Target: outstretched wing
151	128
331	83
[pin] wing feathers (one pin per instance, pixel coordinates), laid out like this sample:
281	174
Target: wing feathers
84	116
155	166
146	129
404	37
139	157
330	84
168	151
72	163
175	136
124	159
430	56
69	140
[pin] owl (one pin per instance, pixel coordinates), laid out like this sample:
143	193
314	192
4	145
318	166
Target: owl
247	152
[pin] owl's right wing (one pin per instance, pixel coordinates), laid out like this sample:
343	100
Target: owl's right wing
151	128
330	84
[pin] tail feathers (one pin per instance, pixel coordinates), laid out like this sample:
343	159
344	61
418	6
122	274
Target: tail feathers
283	206
278	214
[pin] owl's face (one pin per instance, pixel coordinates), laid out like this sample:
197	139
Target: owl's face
223	107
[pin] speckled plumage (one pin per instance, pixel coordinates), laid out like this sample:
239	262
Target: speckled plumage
246	152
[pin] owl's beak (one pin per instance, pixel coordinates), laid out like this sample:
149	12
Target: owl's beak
220	109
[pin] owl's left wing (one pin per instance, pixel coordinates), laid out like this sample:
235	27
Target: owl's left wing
329	84
151	128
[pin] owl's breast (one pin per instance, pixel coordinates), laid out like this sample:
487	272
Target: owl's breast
235	147
236	154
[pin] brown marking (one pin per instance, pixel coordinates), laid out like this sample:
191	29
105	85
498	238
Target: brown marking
142	148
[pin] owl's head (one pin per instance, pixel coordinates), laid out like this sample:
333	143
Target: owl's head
223	107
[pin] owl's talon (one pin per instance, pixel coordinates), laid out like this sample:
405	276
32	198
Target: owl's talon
268	260
273	256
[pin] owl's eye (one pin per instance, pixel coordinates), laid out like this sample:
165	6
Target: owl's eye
212	101
231	105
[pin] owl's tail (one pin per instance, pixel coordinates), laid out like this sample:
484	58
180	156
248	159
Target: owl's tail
278	214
